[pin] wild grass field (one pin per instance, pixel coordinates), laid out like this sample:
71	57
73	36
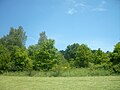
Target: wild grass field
60	83
74	72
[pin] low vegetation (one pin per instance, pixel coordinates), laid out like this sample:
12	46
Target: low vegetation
75	72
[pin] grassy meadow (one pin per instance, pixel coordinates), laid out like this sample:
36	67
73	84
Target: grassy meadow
60	83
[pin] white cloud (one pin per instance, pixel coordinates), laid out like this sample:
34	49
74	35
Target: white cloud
72	11
75	6
103	2
71	1
81	6
100	7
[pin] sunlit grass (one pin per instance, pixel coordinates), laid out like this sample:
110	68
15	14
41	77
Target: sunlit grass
60	83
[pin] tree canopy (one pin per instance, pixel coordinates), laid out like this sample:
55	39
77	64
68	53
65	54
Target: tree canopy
14	56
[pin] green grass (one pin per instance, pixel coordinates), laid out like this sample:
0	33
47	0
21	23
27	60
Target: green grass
78	72
60	83
74	72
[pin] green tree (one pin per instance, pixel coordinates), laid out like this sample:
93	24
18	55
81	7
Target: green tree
45	56
4	58
83	56
70	52
13	52
20	59
61	65
115	58
16	37
32	51
101	59
61	61
116	54
43	38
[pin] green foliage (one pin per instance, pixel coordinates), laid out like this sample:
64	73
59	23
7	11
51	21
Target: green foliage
116	54
115	58
83	56
70	52
116	68
32	52
45	57
43	38
16	37
78	72
20	59
61	65
13	53
101	59
4	58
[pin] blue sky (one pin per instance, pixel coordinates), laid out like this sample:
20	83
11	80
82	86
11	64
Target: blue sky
92	22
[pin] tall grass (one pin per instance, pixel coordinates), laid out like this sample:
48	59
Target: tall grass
74	72
78	72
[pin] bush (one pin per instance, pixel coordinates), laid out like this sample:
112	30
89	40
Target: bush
116	68
58	72
78	72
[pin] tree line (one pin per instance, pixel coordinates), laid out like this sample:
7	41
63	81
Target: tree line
14	56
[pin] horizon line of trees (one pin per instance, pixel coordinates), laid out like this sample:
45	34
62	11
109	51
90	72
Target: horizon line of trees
14	56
